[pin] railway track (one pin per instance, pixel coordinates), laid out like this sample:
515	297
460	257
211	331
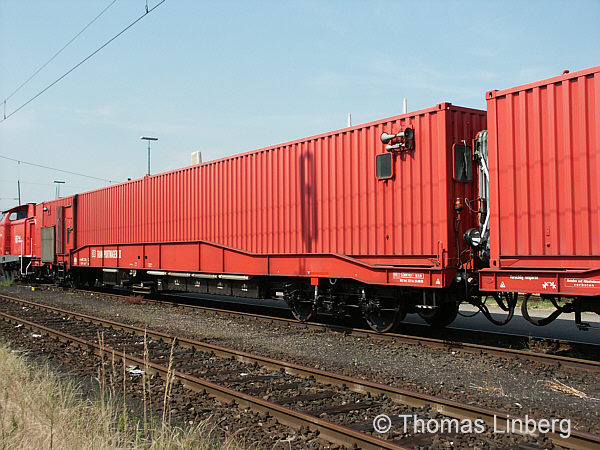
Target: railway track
453	342
339	407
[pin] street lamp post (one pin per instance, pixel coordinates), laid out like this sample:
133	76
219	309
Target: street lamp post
148	138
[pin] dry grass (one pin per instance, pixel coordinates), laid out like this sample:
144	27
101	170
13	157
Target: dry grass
39	409
557	386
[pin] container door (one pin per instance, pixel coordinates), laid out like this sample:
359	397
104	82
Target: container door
48	246
69	236
60	230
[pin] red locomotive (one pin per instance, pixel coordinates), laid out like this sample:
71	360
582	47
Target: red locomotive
414	213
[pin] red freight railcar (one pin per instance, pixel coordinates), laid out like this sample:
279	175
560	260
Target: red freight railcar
310	208
382	218
544	158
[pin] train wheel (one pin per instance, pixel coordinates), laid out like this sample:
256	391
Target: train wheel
384	320
302	307
303	310
442	316
381	314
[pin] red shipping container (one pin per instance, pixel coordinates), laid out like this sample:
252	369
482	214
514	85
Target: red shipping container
544	158
314	196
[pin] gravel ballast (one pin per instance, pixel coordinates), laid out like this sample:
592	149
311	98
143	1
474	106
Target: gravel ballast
514	386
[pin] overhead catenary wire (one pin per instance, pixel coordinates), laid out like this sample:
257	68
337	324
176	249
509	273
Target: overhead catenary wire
58	170
55	55
6	116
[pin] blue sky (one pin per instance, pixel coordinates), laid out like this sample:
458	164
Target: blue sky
231	76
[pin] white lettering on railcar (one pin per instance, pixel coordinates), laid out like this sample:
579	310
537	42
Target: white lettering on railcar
106	254
409	277
524	277
582	283
112	254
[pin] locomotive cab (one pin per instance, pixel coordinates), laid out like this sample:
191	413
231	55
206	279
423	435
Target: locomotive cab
16	238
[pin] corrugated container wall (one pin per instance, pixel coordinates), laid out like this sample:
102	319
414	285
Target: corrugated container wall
544	150
316	195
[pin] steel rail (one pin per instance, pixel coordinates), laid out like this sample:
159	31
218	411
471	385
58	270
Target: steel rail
329	431
565	361
445	344
450	408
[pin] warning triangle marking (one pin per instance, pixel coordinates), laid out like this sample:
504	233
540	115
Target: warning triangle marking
502	285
